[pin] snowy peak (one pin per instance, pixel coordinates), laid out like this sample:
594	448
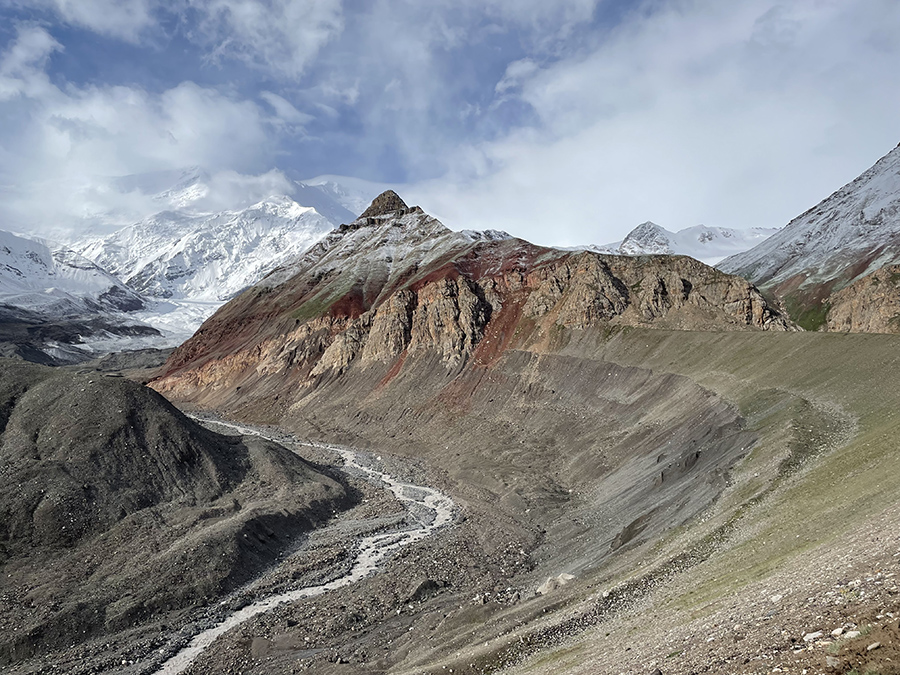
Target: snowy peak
56	281
647	238
848	235
707	244
208	258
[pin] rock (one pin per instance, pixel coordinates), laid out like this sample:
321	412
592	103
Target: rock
776	598
837	632
869	305
874	645
852	634
812	637
386	203
832	662
423	588
553	583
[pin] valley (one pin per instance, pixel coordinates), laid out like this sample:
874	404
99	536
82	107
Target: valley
459	451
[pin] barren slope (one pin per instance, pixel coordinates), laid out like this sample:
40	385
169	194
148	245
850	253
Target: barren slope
118	511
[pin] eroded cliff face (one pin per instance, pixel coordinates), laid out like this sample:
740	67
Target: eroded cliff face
398	284
870	305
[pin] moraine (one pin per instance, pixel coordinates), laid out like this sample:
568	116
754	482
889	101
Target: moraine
427	511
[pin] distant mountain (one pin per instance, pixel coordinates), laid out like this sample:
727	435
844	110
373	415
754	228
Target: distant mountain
55	280
845	237
180	256
57	306
188	260
707	244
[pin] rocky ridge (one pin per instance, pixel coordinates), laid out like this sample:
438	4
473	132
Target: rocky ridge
869	305
845	237
396	283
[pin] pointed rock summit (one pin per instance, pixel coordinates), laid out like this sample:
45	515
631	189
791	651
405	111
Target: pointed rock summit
384	204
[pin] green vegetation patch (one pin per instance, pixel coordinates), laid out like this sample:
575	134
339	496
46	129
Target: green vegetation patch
808	317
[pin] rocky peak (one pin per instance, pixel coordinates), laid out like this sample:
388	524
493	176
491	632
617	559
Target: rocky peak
387	203
646	238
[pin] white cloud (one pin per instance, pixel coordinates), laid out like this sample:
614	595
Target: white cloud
22	66
516	73
123	19
61	143
734	114
281	36
285	111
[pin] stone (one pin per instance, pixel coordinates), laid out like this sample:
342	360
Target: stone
553	583
384	204
812	637
852	634
832	662
873	646
868	305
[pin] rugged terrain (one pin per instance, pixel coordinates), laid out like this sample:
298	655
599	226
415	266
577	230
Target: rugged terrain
118	512
869	305
845	237
707	244
653	469
587	441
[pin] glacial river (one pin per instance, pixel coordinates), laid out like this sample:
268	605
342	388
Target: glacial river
427	509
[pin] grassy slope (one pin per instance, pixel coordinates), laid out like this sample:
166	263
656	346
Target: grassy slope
834	399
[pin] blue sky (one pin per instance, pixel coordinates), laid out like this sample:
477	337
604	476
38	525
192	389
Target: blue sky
563	122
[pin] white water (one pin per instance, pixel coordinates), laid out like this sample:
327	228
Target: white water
372	551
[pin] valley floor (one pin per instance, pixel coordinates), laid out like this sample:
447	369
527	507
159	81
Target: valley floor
797	550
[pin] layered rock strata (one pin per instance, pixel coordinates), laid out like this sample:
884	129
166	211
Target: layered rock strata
396	283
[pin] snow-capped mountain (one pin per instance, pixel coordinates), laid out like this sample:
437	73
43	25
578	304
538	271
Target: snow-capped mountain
207	257
850	234
55	281
707	244
57	306
191	263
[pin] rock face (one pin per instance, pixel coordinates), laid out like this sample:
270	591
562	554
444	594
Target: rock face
116	509
869	305
845	237
396	282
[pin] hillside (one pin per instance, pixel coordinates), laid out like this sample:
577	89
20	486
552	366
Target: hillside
845	237
118	512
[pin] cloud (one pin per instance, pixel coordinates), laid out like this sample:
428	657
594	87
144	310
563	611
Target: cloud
285	111
61	143
279	36
22	66
123	19
733	114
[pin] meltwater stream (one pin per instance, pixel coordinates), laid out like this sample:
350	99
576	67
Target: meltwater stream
428	510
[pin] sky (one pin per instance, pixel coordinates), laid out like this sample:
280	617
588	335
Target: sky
565	122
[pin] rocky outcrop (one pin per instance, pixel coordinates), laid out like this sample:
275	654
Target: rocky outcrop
870	305
388	202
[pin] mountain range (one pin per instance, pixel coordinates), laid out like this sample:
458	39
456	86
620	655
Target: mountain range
707	244
651	466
